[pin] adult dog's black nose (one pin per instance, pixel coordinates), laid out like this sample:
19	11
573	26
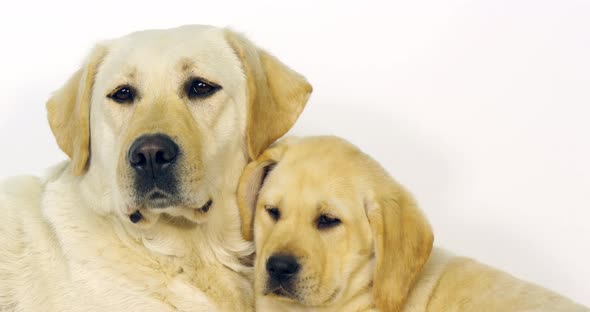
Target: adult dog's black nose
152	154
282	267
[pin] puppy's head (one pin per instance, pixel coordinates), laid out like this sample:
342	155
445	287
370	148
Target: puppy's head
163	120
328	222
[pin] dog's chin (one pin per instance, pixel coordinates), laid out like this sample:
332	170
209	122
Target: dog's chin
285	294
172	209
160	203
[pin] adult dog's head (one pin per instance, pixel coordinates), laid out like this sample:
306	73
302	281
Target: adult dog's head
166	119
328	223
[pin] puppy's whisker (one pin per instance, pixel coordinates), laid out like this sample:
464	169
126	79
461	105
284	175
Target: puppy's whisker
271	290
289	294
332	296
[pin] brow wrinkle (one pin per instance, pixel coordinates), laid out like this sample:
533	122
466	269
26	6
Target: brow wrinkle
321	207
131	74
186	64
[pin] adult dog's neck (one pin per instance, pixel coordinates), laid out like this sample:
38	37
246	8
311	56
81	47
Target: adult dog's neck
92	202
172	262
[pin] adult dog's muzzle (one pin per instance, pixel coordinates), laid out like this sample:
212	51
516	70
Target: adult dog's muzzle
153	158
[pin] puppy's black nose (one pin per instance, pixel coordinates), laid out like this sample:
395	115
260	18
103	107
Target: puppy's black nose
282	267
152	155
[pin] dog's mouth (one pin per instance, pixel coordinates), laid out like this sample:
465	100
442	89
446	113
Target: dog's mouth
160	203
206	206
285	292
159	199
281	292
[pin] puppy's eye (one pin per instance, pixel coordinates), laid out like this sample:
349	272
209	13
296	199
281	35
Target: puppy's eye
200	88
123	94
326	221
273	212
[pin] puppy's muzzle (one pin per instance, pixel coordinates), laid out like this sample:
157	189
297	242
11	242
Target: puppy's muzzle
282	268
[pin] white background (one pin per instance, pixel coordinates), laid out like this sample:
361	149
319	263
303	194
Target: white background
481	108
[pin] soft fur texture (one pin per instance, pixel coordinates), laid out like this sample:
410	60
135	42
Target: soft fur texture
66	240
379	258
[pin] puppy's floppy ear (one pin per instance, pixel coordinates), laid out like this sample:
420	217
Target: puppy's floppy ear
251	182
276	94
68	112
403	242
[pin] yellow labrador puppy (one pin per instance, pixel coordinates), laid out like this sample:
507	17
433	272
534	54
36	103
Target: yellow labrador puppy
159	125
334	232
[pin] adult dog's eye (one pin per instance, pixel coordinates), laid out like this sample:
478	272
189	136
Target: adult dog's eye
123	94
200	88
273	212
326	221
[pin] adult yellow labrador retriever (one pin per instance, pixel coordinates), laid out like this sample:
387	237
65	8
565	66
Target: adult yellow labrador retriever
334	232
158	126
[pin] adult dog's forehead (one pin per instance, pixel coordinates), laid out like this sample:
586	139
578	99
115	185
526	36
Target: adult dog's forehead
173	53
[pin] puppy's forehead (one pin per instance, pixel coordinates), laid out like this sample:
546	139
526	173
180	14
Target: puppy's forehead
198	49
330	166
309	188
319	171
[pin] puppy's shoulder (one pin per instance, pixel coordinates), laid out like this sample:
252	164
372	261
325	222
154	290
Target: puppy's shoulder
427	282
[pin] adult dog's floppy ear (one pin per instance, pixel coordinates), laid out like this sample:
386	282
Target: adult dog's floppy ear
251	182
276	94
68	112
403	242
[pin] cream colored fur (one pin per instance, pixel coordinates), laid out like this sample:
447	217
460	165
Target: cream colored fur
380	258
66	240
